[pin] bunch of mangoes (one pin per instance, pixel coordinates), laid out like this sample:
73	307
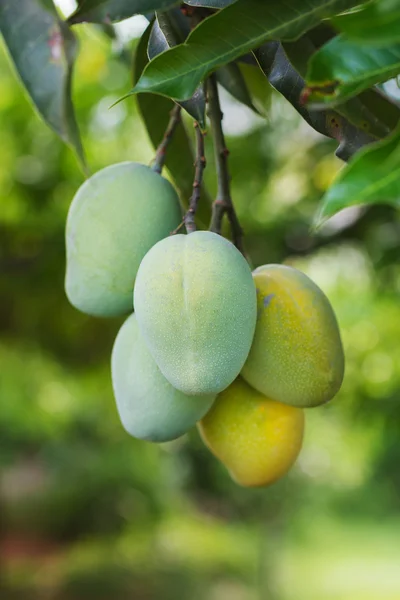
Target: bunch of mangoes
207	341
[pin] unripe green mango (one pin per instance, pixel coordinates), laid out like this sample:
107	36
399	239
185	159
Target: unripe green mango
195	303
256	438
149	407
297	355
116	216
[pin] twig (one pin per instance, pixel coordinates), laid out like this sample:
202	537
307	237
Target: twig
223	202
175	118
200	165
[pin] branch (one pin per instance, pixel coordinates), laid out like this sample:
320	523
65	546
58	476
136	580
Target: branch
175	118
200	165
223	202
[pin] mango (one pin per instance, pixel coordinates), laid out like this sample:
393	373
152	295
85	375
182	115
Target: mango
149	407
116	216
195	303
297	355
257	439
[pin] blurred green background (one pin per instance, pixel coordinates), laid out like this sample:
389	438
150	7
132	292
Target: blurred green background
88	512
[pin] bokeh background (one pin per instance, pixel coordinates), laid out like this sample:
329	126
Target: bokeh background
88	512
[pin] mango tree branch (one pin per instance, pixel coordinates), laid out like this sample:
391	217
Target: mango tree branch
200	165
223	202
175	118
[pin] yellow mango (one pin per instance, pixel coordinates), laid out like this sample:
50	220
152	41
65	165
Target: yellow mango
297	355
148	406
195	303
257	439
116	216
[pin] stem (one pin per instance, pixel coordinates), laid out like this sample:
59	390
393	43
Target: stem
200	164
223	202
175	118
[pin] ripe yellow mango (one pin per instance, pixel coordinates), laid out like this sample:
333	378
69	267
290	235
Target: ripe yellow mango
195	302
149	407
297	355
256	438
116	216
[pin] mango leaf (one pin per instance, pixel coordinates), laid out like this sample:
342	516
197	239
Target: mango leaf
286	80
210	3
231	78
111	11
258	85
43	51
370	111
371	177
155	112
343	68
228	34
375	23
169	29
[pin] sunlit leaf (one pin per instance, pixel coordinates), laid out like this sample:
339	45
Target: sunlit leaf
228	34
371	177
43	51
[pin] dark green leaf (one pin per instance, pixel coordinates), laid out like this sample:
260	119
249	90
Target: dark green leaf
376	23
210	3
231	78
43	50
371	177
169	29
155	111
284	78
111	11
246	24
342	69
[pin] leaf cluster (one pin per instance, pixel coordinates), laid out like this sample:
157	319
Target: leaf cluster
330	59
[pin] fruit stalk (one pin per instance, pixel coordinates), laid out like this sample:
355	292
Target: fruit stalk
200	165
175	119
223	203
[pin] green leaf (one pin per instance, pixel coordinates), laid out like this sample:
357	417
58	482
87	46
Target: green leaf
228	34
111	11
376	23
231	78
155	111
258	85
43	50
169	29
370	111
371	177
286	80
343	68
210	3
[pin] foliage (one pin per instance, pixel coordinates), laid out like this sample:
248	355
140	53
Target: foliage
89	512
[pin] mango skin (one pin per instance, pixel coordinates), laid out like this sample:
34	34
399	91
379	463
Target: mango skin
256	438
116	216
195	303
148	406
297	354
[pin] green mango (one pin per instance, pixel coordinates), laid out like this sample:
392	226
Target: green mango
196	305
256	438
149	407
116	216
297	354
